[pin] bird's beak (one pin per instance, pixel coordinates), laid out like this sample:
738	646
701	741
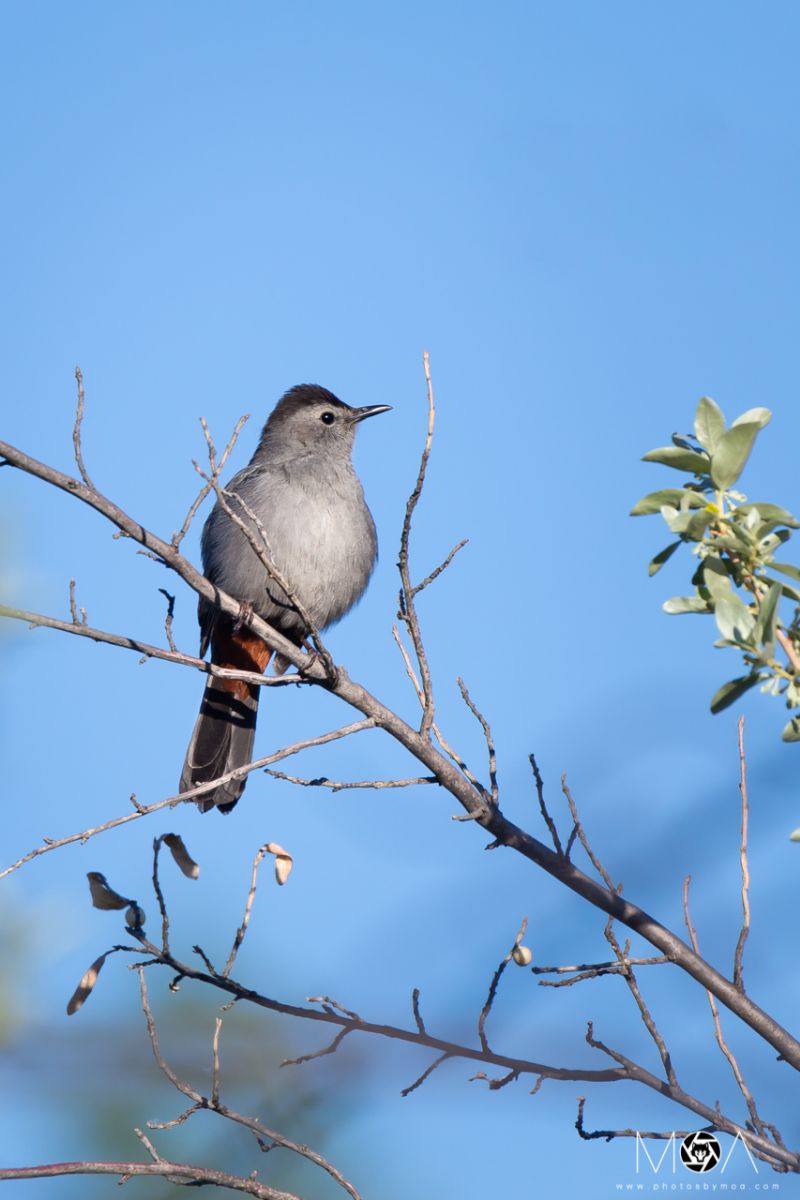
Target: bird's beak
370	410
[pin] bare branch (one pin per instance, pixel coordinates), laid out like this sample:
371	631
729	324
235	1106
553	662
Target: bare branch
180	1173
351	1023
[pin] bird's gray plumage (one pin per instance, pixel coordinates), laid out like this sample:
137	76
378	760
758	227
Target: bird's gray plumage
304	492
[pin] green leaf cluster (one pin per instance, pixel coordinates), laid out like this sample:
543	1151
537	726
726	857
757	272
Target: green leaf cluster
736	578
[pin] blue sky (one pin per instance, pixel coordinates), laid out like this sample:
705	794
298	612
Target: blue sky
588	215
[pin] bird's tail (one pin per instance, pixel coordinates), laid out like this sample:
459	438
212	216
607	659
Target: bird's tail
222	739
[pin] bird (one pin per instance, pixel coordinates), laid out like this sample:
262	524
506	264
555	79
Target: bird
302	501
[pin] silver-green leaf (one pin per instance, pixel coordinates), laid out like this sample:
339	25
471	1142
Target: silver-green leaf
681	460
654	501
685	604
734	619
732	452
766	620
657	563
709	424
731	691
754	416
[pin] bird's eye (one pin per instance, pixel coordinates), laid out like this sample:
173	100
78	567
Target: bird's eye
327	418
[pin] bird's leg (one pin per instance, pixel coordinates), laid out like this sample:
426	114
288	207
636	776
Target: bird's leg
245	614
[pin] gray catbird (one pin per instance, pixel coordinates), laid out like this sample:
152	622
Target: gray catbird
301	487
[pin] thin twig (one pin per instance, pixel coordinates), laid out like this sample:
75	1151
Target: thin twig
331	1048
457	758
342	785
222	1109
162	908
37	620
168	619
76	432
600	968
408	612
178	537
179	1120
487	733
502	1081
417	1014
144	810
248	908
548	820
633	986
412	675
738	976
73	608
412	1087
737	1074
215	1063
487	1008
584	841
609	1134
442	567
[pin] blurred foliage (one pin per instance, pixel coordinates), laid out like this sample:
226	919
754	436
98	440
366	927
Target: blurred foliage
735	541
